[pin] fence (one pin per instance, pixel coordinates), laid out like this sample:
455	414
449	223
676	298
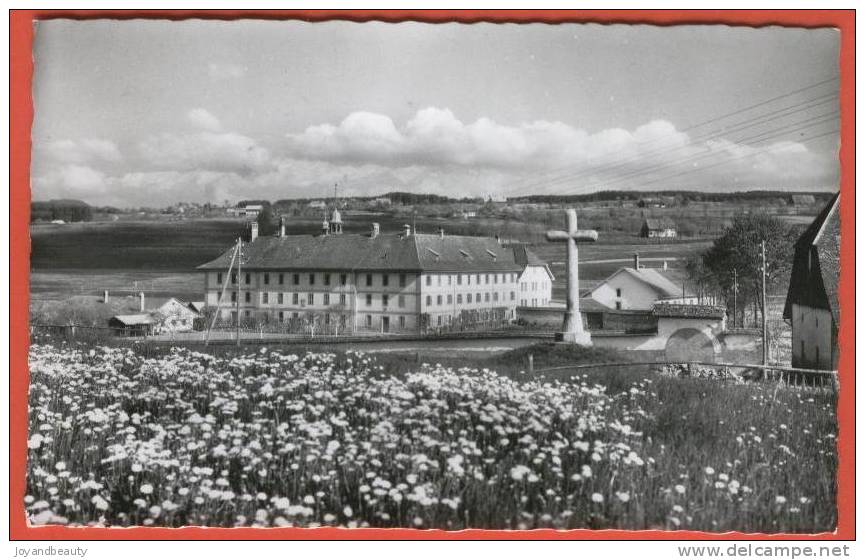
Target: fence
748	372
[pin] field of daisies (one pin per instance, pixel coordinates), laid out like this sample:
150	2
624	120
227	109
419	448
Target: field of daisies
265	438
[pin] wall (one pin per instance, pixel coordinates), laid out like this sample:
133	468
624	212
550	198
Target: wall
535	287
635	294
813	340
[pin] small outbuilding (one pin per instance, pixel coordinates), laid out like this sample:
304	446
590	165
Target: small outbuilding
658	227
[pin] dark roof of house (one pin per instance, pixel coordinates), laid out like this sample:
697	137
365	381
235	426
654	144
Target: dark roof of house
418	252
817	263
133	320
660	223
524	256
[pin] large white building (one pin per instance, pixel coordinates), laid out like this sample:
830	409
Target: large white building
812	299
373	282
536	279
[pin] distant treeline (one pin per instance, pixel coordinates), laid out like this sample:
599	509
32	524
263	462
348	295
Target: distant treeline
66	210
680	196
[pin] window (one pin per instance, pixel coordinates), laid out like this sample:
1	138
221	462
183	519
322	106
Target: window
428	301
459	298
401	322
438	300
248	278
384	299
295	279
234	297
281	316
486	278
265	297
310	299
513	296
495	278
618	305
400	301
402	280
327	279
450	280
478	297
439	320
327	299
369	320
495	296
281	278
450	299
478	279
247	297
618	292
429	280
438	279
468	298
294	313
312	279
246	313
327	319
280	299
234	278
294	298
342	299
468	279
487	296
385	279
369	279
368	300
219	278
343	279
459	279
266	279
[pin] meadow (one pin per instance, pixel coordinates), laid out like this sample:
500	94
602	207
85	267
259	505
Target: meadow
170	437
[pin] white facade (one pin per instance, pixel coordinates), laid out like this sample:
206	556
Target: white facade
624	291
813	340
535	286
372	301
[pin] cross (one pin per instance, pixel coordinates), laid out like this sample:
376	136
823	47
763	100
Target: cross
572	330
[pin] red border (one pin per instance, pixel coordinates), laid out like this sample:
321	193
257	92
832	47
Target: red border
21	117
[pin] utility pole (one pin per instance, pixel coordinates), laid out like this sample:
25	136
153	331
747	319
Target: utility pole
239	281
735	295
765	322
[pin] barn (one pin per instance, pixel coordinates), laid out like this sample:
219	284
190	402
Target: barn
658	227
812	299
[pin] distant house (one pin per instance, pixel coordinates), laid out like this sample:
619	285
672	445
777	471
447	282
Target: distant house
650	203
172	315
247	211
175	316
812	298
318	204
658	227
803	200
638	288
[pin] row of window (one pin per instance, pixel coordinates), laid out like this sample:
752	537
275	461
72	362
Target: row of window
327	278
311	299
448	300
524	285
449	279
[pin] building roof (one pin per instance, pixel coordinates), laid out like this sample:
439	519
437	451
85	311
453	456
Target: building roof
817	263
660	223
137	319
417	252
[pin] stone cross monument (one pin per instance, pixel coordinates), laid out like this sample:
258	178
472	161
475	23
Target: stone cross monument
572	330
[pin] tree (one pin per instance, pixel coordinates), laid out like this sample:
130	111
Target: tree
267	223
738	249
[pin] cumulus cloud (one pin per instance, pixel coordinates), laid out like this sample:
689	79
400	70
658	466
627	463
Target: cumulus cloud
436	136
225	71
204	151
203	119
80	151
70	181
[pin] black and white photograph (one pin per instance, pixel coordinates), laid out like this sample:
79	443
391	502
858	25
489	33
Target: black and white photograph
501	276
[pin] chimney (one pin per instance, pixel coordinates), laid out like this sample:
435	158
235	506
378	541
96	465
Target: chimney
665	264
442	232
375	230
636	261
141	301
282	226
407	230
253	231
104	296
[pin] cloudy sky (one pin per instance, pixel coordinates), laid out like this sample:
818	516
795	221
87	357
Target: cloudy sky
150	113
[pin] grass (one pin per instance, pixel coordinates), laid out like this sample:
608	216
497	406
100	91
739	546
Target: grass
264	438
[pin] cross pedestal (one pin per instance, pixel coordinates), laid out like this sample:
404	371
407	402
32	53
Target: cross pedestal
572	329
